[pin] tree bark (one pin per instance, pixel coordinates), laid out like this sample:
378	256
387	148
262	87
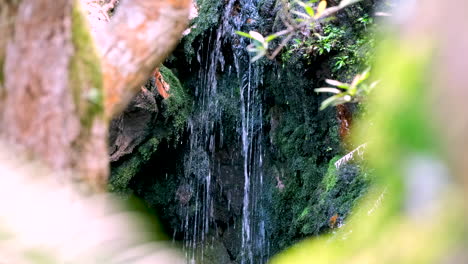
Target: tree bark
60	87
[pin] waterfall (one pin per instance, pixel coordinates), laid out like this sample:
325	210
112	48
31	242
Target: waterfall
206	134
253	227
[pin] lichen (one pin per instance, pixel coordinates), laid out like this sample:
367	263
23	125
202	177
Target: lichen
86	79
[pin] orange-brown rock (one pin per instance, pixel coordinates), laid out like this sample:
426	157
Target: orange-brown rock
161	85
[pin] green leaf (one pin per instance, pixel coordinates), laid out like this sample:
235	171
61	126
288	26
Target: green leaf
243	34
329	101
309	10
360	78
271	37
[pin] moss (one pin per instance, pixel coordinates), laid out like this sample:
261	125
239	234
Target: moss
86	79
331	177
175	111
209	12
178	105
123	173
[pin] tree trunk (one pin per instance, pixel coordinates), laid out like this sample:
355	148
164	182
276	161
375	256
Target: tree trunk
60	87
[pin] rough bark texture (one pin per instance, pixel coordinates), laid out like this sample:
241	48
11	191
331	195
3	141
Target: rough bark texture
39	112
130	58
55	101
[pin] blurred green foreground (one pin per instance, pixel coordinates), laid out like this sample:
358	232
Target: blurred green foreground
415	127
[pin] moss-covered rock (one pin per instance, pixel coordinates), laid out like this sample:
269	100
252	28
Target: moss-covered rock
178	106
124	172
166	124
209	13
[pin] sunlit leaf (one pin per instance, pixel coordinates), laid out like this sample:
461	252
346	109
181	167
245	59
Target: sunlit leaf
327	90
345	3
321	7
257	36
337	84
360	78
271	37
329	101
373	84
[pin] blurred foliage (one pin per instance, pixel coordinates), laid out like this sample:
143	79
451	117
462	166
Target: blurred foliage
387	227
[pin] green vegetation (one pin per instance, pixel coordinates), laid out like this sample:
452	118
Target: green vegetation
170	125
295	21
178	106
209	12
331	177
85	71
354	92
123	173
401	133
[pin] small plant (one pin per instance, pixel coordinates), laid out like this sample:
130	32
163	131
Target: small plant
302	15
340	62
347	93
366	20
259	46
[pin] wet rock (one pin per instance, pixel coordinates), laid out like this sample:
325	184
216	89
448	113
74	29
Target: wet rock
216	253
232	239
230	184
184	194
131	128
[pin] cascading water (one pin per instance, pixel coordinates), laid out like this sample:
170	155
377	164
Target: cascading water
206	134
253	227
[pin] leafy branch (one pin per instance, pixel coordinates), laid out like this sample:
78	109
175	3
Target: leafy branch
307	17
354	92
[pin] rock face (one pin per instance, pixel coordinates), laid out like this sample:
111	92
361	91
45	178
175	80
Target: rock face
132	127
135	135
